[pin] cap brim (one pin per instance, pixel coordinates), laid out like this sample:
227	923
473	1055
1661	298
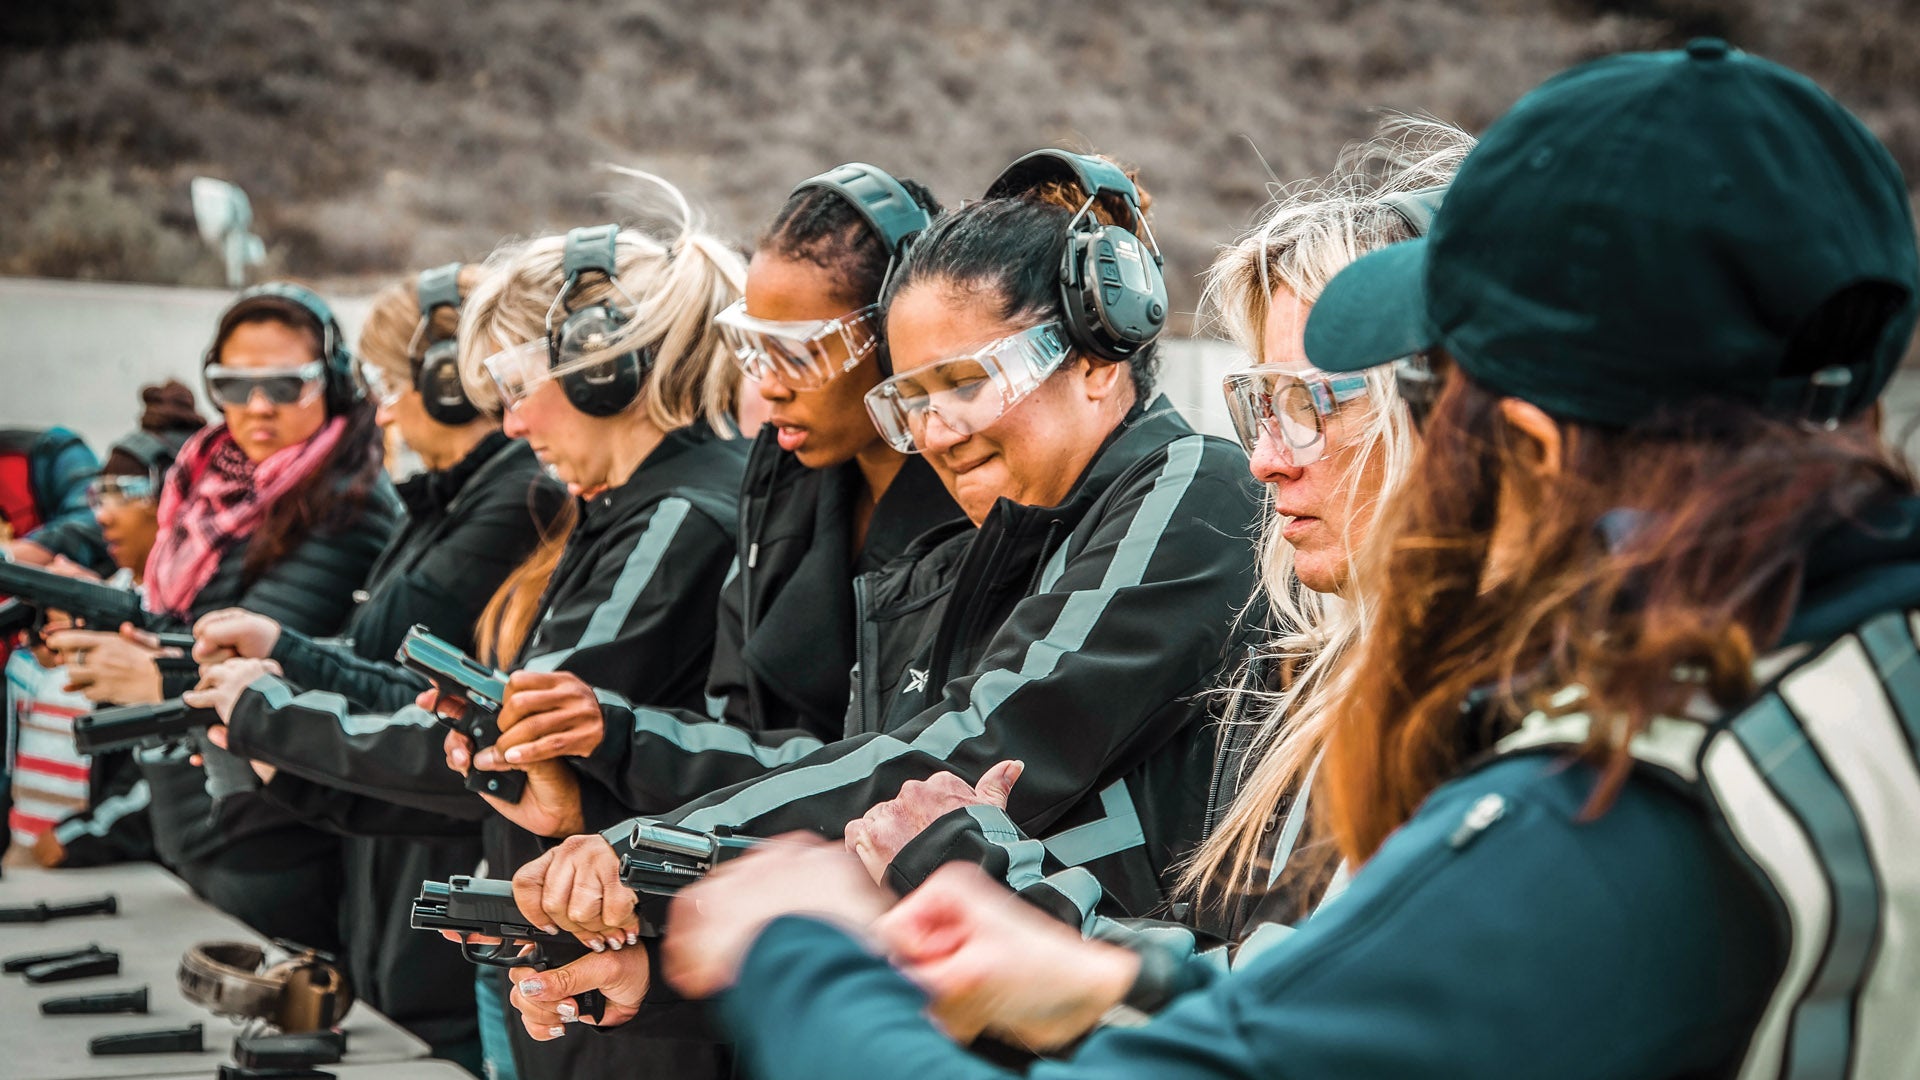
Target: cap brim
1373	312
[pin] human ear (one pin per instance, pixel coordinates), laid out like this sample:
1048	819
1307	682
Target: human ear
1530	423
1103	380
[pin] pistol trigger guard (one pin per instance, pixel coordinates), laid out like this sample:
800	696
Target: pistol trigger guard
493	956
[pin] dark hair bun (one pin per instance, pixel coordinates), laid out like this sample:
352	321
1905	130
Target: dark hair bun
168	407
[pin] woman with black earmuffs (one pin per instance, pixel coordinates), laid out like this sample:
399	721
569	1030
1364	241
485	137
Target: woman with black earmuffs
475	513
281	509
601	349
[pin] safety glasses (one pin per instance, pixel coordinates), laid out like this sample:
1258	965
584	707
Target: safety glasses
1290	408
384	394
519	370
235	387
112	492
803	355
967	392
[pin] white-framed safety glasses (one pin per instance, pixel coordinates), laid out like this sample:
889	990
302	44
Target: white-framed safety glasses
967	392
1289	407
231	387
804	355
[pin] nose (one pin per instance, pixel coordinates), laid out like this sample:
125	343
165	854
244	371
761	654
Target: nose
771	388
258	405
513	425
1272	463
383	412
936	435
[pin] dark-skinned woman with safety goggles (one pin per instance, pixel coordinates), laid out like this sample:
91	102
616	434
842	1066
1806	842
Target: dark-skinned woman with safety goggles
280	509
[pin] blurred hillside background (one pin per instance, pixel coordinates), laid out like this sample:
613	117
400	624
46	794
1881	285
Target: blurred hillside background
375	136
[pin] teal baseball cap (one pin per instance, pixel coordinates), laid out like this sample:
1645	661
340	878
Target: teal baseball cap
1647	230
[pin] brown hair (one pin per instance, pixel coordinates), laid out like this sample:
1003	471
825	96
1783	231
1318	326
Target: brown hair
1724	504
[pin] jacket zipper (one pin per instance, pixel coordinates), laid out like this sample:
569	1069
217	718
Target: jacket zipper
866	644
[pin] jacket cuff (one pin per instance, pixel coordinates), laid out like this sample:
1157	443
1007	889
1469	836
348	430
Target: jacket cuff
1164	975
958	836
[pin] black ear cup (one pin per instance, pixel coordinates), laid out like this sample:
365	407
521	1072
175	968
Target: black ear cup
436	369
1111	287
1112	291
442	394
608	386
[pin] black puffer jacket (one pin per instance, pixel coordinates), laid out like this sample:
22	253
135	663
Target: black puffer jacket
1078	638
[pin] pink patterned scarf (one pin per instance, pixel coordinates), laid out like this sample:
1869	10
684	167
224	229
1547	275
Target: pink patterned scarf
215	497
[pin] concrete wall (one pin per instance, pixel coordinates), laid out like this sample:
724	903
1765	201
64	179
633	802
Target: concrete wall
75	353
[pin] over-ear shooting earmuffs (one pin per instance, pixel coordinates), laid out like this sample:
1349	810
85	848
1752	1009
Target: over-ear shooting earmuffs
344	387
155	454
1111	288
436	368
1416	207
888	208
605	387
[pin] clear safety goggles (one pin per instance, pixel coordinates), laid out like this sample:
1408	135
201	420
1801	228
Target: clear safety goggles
382	392
1291	408
803	355
967	392
112	492
518	370
234	387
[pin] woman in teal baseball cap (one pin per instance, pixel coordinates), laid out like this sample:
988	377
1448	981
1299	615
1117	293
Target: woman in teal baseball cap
1630	788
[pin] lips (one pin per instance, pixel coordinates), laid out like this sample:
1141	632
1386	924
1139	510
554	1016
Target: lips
789	437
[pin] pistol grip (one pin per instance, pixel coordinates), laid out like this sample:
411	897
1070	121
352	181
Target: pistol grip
505	786
592	1003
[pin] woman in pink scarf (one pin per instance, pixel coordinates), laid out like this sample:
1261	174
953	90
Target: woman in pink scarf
282	510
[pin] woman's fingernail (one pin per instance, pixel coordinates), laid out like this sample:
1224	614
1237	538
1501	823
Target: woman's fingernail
616	943
532	987
568	1013
633	937
551	929
597	945
514	755
557	1030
